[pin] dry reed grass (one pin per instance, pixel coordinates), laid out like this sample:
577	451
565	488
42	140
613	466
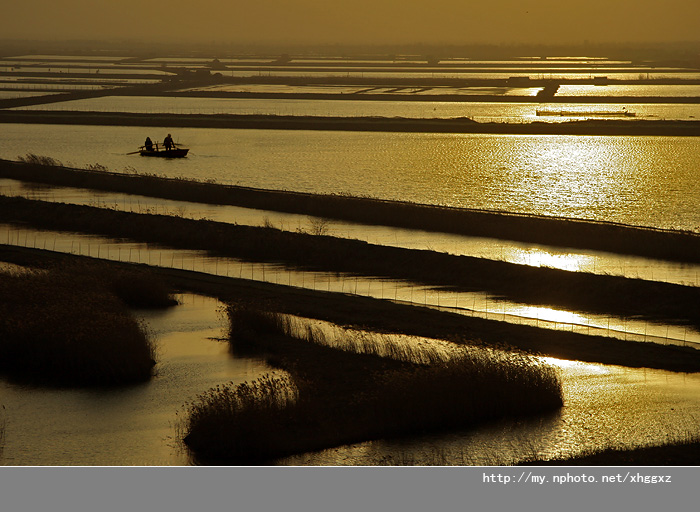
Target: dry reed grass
336	395
64	329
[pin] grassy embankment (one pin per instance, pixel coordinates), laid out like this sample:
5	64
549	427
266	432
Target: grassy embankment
386	316
71	326
575	290
646	242
349	393
675	453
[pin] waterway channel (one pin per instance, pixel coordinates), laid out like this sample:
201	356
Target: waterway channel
489	248
139	425
477	304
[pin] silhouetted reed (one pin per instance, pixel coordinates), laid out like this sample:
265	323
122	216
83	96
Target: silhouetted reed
250	328
65	329
31	158
137	288
336	396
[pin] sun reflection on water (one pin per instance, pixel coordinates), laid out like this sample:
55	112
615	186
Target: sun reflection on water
575	367
542	258
549	314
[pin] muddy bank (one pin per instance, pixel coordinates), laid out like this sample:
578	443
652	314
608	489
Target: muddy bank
385	316
376	124
561	232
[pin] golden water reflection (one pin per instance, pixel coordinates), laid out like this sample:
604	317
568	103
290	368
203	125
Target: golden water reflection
132	426
604	406
545	258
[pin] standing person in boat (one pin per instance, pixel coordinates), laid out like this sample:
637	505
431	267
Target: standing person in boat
148	144
168	143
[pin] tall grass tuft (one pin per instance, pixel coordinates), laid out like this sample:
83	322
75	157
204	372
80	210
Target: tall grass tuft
233	415
59	329
252	328
137	288
31	158
356	390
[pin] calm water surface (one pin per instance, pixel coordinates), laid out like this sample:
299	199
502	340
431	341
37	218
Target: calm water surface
604	405
489	248
479	111
636	180
136	425
476	304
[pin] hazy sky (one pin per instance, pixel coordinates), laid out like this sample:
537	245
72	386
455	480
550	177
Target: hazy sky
355	21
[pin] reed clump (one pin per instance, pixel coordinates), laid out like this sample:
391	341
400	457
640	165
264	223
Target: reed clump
251	328
335	395
61	329
137	288
31	158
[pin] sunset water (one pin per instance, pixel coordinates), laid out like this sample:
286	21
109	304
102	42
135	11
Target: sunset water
647	181
458	236
273	166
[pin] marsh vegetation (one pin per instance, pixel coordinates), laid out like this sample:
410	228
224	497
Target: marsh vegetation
682	452
328	390
342	391
71	327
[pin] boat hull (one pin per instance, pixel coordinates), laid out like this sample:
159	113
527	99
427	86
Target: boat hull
166	153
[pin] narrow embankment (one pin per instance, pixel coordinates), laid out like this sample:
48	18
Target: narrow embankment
561	232
372	124
520	283
385	316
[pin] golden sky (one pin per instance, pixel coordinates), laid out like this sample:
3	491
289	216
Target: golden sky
356	21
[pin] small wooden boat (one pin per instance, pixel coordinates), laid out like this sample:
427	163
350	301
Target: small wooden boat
164	153
156	149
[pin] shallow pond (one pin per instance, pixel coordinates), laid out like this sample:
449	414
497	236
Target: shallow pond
479	111
604	405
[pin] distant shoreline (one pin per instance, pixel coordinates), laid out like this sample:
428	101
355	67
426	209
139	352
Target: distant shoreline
374	124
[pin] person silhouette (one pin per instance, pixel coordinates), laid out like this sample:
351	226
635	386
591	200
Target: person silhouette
168	143
148	144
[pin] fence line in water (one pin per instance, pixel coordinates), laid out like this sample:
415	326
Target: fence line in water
475	304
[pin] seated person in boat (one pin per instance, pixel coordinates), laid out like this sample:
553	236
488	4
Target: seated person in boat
148	144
